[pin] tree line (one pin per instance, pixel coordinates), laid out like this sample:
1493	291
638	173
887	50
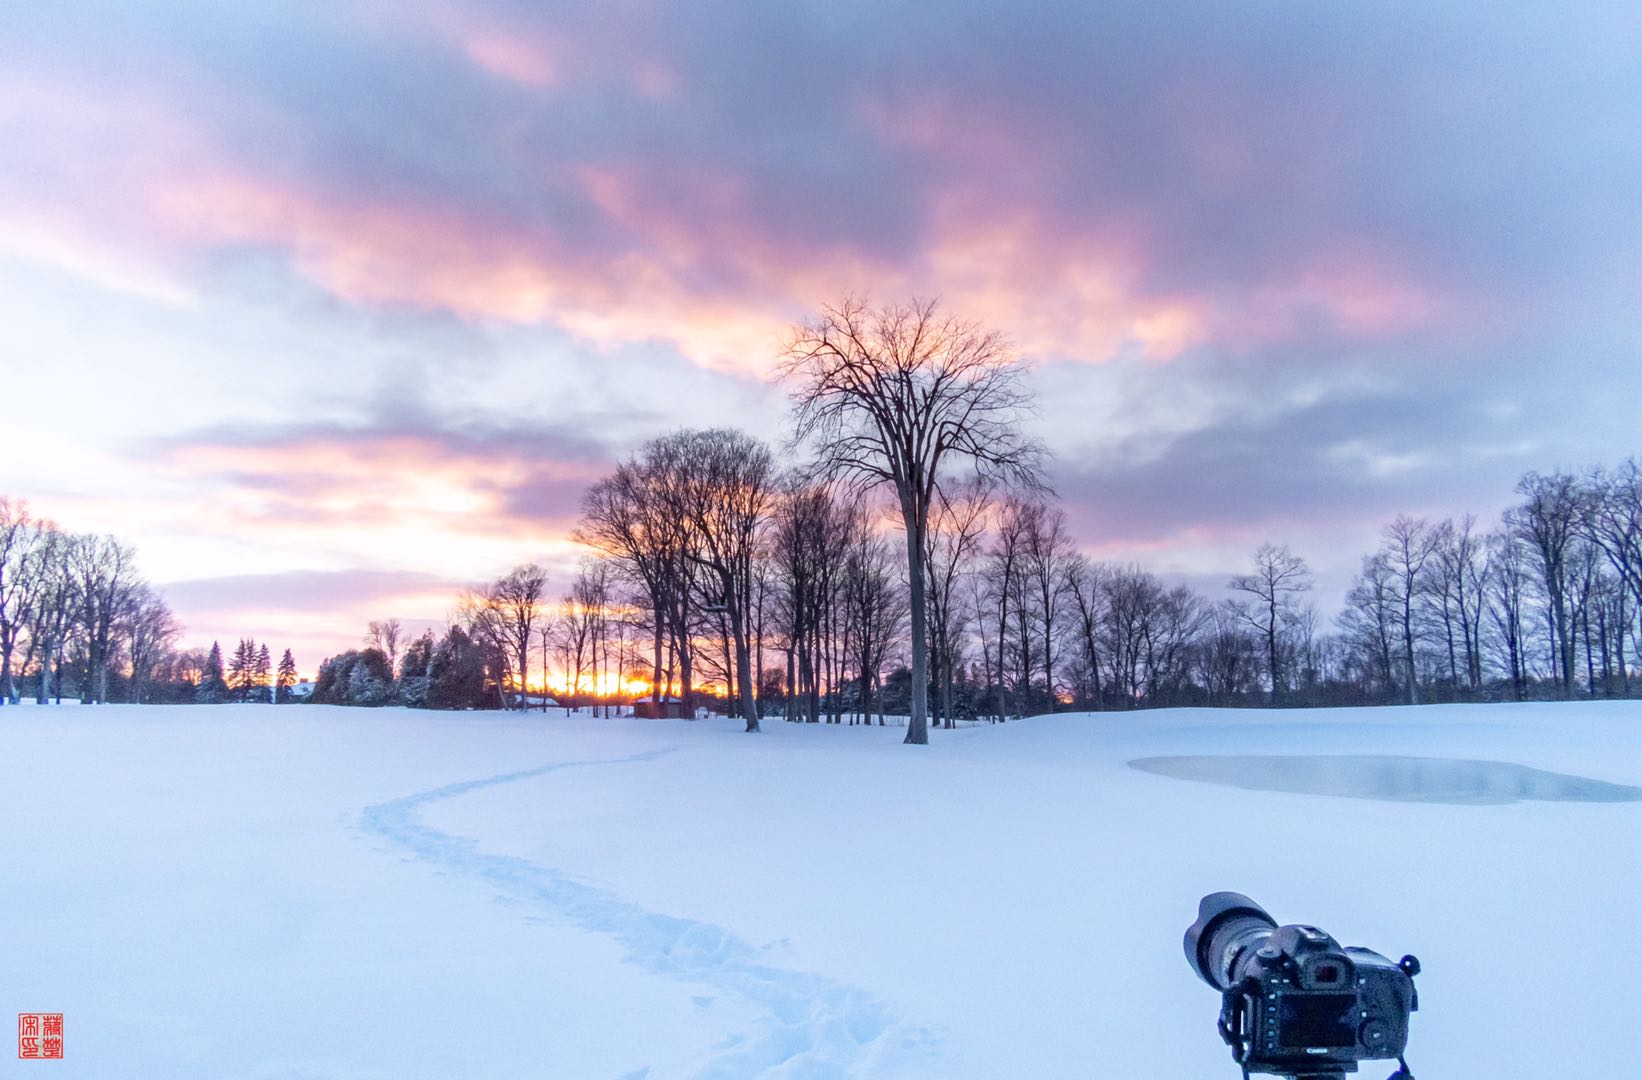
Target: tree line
77	619
902	556
810	618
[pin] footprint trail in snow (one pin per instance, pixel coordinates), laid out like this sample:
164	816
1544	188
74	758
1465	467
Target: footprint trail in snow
811	1027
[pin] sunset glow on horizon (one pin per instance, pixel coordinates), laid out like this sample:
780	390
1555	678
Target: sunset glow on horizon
335	310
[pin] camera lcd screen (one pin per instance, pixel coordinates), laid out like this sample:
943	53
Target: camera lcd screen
1317	1020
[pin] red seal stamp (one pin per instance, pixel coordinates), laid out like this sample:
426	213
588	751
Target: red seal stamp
39	1036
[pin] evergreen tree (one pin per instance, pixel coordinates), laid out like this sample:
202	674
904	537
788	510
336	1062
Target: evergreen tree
285	679
261	672
356	677
413	671
370	679
456	674
240	669
212	688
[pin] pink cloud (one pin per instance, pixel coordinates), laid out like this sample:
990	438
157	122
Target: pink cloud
687	258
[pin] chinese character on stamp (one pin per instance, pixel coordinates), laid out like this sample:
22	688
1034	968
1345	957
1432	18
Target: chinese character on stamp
39	1035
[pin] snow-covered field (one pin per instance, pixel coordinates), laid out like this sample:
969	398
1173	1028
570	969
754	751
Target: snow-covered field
309	892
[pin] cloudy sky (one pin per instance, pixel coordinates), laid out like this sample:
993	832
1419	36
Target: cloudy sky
333	308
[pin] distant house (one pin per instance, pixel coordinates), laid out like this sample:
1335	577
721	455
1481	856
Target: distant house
302	690
668	708
537	701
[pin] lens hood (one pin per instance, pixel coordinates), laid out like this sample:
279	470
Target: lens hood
1212	912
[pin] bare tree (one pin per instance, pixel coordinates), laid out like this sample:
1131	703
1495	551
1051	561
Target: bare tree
1228	656
627	517
876	608
1368	622
53	609
150	632
1006	593
1279	577
580	626
386	634
1087	583
1407	545
1134	600
502	618
20	537
810	542
951	547
1048	556
899	395
1508	580
104	575
1547	522
1459	575
1611	517
723	484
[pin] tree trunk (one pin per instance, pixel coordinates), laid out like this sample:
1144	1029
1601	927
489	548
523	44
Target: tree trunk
792	686
686	691
1048	653
1408	660
45	674
1003	647
1271	661
948	652
743	672
655	672
99	680
918	721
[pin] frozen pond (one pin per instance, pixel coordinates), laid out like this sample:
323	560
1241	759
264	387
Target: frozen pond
1395	779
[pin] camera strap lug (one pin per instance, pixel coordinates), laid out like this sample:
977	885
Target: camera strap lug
1233	1023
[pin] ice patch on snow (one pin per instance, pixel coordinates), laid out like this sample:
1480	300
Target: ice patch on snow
1393	779
813	1028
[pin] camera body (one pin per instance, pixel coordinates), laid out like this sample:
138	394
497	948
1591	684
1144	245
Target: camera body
1293	1001
1304	1004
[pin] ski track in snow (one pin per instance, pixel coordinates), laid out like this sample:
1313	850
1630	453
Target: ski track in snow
812	1027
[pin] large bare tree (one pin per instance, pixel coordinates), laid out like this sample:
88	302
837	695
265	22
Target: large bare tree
722	483
901	395
504	615
630	518
1279	577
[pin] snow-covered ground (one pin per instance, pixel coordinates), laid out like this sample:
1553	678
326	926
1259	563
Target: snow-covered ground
297	893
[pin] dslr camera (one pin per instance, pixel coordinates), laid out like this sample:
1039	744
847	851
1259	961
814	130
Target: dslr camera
1293	1002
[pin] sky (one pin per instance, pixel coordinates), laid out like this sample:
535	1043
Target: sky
333	309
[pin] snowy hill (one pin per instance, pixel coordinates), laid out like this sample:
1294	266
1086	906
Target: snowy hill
307	892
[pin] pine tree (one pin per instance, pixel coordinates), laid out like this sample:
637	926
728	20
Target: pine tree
260	673
212	688
239	669
285	679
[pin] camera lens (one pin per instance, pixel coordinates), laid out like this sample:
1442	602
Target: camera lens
1229	926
